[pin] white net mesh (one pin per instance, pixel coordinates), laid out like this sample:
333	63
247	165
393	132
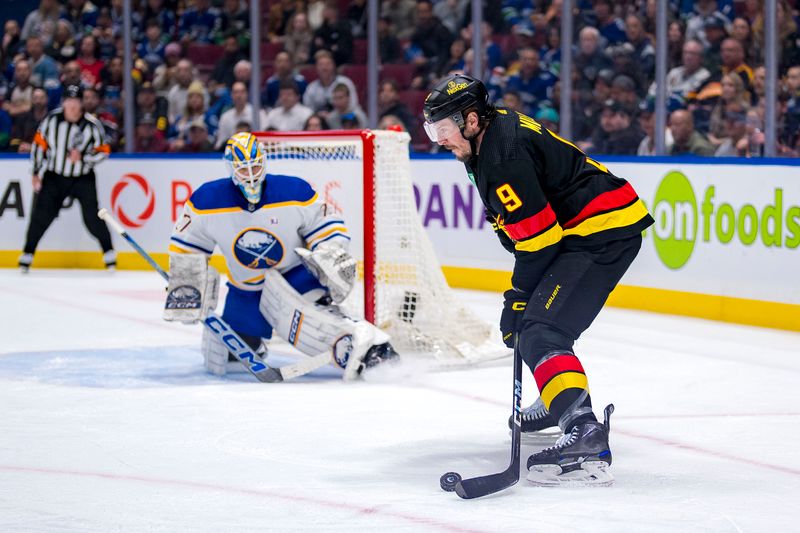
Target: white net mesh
413	302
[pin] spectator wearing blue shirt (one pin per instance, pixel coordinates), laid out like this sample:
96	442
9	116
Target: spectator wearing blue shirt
82	14
643	52
284	72
790	136
5	130
534	85
551	52
493	53
44	69
611	27
152	49
198	23
166	18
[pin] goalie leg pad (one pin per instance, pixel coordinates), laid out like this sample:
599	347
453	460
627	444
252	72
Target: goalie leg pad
215	354
313	328
193	288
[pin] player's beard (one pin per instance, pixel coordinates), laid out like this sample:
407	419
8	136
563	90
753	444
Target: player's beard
463	156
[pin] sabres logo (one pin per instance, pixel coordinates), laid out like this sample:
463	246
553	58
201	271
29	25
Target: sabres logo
257	248
184	297
342	349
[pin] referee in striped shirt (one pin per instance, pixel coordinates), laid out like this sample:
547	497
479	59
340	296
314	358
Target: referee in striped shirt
66	147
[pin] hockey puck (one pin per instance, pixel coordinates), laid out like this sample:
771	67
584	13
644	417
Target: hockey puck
449	481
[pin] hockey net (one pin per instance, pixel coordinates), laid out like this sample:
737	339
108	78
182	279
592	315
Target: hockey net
366	176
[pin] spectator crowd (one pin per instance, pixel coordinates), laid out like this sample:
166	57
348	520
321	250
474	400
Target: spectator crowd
192	69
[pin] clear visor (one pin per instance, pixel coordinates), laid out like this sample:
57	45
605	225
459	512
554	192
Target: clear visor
441	129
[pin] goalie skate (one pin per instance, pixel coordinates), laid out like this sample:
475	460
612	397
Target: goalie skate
580	457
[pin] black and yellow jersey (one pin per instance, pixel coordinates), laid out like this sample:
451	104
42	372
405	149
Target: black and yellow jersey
542	190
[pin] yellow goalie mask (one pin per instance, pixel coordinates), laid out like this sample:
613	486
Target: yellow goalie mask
246	162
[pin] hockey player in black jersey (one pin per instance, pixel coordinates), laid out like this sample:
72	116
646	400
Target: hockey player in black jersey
574	229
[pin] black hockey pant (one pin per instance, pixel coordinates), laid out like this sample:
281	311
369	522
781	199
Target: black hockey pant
48	203
566	301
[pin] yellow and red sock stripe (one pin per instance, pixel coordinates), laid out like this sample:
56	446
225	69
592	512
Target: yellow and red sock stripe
558	373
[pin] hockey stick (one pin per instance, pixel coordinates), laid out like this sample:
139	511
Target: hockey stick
225	334
483	485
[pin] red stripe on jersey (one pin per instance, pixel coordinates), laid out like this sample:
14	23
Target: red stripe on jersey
605	202
531	225
546	371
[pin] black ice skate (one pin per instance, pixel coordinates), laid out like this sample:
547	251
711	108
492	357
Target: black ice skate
580	457
535	418
24	263
380	353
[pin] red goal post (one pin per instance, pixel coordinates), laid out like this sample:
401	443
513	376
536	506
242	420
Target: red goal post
366	176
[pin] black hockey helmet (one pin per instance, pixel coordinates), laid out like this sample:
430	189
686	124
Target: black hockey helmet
455	94
449	100
72	91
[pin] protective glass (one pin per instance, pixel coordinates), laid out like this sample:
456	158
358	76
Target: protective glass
441	129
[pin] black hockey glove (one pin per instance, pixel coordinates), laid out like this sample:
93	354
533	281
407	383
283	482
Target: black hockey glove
513	309
505	240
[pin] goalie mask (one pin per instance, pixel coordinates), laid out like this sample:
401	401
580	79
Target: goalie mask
246	160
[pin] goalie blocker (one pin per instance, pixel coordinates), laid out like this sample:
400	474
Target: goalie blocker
312	328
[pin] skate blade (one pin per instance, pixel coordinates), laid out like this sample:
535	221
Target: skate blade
542	438
590	474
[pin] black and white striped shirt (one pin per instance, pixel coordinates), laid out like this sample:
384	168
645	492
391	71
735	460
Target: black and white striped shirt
56	137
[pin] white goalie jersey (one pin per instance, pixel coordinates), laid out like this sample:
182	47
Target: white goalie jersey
256	237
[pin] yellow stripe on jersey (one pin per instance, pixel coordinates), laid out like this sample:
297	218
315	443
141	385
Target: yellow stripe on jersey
178	250
292	202
335	229
239	209
212	211
613	219
255	280
562	382
596	164
543	240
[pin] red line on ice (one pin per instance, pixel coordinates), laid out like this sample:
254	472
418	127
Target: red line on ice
419	520
104	312
667	442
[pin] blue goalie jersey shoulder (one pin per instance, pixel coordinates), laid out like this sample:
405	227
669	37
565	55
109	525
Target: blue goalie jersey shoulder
281	188
217	194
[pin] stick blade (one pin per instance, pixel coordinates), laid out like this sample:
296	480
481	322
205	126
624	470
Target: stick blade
484	485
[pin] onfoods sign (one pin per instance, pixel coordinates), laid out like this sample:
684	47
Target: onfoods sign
680	221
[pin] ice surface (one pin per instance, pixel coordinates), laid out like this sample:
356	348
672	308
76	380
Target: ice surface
109	423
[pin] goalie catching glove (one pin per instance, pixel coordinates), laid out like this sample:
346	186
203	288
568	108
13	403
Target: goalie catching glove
332	266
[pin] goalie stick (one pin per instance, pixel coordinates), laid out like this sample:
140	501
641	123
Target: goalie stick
222	331
483	485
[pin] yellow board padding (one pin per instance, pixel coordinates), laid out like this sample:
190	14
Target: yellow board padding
723	308
125	260
709	306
